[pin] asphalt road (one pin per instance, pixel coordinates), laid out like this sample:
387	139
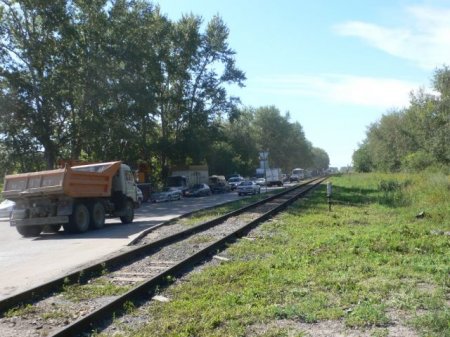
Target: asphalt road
27	262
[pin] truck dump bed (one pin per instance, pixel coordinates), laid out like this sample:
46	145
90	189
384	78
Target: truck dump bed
78	182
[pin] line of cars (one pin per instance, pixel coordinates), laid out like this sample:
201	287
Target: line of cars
218	185
175	193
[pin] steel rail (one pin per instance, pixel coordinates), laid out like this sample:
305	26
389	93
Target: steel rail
86	273
145	290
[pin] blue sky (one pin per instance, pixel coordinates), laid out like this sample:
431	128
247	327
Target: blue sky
335	66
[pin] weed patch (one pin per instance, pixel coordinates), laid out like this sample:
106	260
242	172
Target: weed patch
97	288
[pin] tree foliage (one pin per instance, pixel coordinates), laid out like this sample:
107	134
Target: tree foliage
265	129
414	138
117	80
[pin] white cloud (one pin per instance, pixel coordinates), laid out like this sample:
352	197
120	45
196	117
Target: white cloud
383	93
424	39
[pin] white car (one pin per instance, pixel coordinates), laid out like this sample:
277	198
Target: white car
167	194
261	181
248	187
140	196
6	208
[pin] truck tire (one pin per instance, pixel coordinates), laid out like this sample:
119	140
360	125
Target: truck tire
97	213
29	231
79	220
129	213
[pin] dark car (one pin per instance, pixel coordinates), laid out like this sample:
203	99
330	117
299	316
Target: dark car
198	190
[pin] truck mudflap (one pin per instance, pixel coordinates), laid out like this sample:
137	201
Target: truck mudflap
55	220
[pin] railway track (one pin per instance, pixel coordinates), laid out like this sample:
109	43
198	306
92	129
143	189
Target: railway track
86	299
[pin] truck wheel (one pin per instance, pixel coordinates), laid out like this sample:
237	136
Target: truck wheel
29	231
97	213
129	213
79	220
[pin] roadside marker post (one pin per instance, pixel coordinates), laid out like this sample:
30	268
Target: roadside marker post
329	192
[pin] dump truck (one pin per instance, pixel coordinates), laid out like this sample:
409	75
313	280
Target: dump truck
77	198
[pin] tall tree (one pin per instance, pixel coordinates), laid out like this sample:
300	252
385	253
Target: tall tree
193	98
32	38
285	141
238	151
362	160
414	138
321	161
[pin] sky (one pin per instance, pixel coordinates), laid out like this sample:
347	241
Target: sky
335	66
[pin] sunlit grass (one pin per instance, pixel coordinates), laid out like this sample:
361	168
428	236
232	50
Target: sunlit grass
95	289
383	250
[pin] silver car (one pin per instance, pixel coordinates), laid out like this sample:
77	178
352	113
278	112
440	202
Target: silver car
234	182
6	207
248	187
167	194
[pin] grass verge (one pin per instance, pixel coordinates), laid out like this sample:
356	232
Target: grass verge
378	264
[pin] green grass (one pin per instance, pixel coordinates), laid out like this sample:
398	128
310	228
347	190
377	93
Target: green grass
23	310
95	289
371	257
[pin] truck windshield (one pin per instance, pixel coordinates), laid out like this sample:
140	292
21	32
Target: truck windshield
92	168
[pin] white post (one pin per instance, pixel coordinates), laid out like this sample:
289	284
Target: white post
329	191
264	156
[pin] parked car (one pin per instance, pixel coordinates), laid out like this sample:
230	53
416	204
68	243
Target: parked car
6	207
140	196
248	187
218	184
198	190
261	181
222	187
167	194
234	181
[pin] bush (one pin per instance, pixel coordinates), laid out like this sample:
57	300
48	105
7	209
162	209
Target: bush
393	192
417	161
